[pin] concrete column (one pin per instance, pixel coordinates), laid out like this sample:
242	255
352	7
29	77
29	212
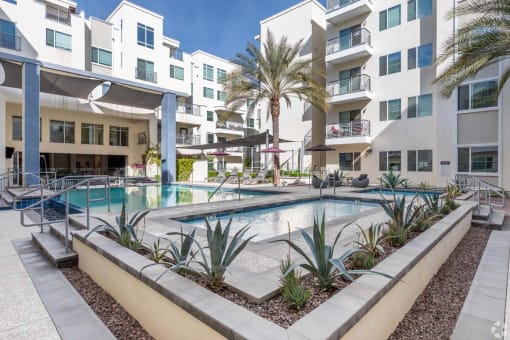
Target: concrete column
3	134
168	151
153	130
31	120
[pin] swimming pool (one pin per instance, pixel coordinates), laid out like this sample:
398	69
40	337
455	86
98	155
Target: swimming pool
397	192
271	222
151	197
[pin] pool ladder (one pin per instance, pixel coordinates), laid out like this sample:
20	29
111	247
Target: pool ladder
225	181
66	184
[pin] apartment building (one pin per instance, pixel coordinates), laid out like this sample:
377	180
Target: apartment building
386	113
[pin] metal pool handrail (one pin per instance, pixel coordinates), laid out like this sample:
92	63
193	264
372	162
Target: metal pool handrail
224	181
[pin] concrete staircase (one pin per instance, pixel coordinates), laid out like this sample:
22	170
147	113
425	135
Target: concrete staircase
485	216
51	243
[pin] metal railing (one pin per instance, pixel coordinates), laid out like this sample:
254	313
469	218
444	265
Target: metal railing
351	85
190	109
481	187
355	128
10	41
355	38
144	74
337	4
58	14
229	126
188	140
224	181
39	205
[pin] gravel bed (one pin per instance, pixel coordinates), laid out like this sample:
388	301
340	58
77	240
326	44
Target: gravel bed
435	312
114	316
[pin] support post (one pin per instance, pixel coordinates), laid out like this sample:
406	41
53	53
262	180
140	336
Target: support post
168	143
31	121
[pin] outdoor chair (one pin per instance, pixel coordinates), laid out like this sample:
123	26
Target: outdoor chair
336	179
261	177
360	182
234	172
246	176
221	176
318	183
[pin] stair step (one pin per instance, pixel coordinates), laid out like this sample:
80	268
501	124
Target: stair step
59	230
53	248
496	219
482	213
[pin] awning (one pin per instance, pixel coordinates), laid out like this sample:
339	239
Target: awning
52	81
259	139
131	96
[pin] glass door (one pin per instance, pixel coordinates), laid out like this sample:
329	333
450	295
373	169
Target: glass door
355	79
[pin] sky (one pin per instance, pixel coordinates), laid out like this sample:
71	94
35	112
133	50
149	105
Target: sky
220	27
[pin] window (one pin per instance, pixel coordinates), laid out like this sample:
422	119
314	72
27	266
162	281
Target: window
145	70
478	95
390	110
350	161
251	123
418	9
145	36
210	116
420	106
208	93
8	35
17	128
389	18
61	132
221	76
119	136
419	160
91	134
420	56
142	138
390	161
208	72
58	40
389	64
210	138
482	159
11	1
221	95
250	103
176	72
102	57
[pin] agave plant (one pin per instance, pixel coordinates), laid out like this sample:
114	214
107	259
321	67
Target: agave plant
452	191
392	180
292	289
423	186
158	254
124	231
322	263
370	240
432	203
221	252
183	254
402	218
406	184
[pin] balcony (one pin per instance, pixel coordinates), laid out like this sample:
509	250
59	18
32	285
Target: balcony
176	54
188	140
223	110
229	128
189	114
354	132
144	74
342	10
10	41
356	45
61	15
350	90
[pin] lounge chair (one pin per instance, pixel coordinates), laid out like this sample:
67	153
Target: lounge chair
318	183
261	177
336	179
221	176
234	172
360	182
246	176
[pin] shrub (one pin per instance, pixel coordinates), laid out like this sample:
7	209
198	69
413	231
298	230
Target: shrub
363	261
392	180
293	291
452	191
423	186
184	168
401	217
445	210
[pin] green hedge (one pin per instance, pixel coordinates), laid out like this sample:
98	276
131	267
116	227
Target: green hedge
184	169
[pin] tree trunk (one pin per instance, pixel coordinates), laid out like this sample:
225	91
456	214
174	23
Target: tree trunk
275	115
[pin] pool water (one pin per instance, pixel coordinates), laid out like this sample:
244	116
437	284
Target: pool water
151	197
406	193
270	222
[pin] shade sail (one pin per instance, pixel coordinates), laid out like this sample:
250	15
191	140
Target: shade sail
259	139
52	81
131	96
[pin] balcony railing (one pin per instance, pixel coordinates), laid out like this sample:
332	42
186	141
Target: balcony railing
176	54
229	126
58	14
356	38
337	4
189	109
188	140
143	74
10	41
355	128
354	84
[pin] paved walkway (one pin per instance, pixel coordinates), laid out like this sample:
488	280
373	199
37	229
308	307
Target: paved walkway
22	314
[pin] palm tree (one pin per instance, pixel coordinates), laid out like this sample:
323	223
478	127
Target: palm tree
274	73
478	43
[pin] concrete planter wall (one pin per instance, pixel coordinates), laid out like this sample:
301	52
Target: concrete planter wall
176	308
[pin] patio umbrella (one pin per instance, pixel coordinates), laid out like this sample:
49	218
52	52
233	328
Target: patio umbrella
321	148
219	153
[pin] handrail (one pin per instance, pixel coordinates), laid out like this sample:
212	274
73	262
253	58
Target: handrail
224	181
478	185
